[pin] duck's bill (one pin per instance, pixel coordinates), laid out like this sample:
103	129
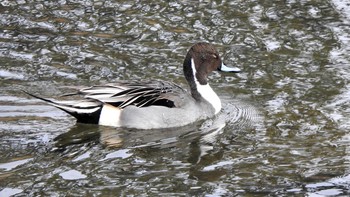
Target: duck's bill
225	68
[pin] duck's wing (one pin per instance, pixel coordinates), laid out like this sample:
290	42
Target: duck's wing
140	94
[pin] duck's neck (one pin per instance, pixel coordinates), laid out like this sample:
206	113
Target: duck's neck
203	91
209	95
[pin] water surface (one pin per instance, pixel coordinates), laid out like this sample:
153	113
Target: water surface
283	129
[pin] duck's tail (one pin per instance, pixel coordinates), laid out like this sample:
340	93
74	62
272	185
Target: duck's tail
85	111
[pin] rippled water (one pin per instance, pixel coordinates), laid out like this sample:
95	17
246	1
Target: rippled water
284	125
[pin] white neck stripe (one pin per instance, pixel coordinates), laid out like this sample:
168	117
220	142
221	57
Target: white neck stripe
206	92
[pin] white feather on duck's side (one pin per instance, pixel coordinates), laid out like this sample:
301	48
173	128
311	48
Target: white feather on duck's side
110	116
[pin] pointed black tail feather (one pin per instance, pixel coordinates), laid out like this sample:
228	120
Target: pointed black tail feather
85	111
40	98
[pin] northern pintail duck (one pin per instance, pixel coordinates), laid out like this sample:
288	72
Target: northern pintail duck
152	104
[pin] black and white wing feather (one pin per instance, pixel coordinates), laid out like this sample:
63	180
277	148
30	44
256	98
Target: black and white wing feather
140	94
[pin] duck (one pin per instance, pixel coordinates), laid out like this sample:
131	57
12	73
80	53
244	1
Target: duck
151	104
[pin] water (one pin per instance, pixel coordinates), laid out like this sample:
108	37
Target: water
284	125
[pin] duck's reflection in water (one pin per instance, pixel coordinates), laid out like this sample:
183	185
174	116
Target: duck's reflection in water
110	137
197	140
78	134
